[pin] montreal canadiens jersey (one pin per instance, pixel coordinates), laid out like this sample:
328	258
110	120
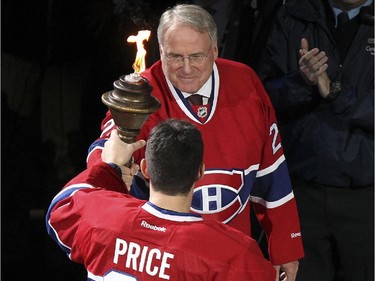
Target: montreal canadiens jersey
243	154
118	237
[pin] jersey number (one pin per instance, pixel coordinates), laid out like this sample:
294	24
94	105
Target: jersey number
275	131
118	276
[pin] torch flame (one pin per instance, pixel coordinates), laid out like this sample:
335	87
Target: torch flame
139	64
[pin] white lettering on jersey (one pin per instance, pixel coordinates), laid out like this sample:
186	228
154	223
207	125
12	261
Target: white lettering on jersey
140	258
153	227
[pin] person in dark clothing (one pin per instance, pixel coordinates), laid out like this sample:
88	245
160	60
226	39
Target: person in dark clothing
319	75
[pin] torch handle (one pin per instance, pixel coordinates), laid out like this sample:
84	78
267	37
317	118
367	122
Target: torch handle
129	164
127	137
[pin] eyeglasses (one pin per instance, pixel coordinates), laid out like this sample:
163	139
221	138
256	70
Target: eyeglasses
196	59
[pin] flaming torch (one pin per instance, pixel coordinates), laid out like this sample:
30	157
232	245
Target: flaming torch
130	102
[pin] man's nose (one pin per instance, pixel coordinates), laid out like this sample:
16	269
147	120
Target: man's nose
187	64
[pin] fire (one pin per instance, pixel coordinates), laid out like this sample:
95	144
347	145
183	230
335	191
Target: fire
139	64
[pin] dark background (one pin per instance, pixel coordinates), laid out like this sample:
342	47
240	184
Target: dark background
58	58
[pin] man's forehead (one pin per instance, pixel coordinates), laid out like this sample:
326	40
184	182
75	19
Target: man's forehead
184	34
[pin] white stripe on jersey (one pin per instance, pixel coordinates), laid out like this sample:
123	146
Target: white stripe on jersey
271	205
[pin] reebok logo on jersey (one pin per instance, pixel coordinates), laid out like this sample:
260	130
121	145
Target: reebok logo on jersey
153	227
294	235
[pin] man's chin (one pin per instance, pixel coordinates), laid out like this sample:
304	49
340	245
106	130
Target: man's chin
187	88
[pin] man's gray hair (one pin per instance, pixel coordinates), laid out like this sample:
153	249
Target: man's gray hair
190	15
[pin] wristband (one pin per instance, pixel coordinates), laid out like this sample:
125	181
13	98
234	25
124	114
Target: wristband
116	167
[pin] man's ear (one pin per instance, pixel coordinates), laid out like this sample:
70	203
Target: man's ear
200	172
160	50
215	50
144	170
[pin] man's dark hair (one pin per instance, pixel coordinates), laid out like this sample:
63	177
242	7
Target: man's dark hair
174	154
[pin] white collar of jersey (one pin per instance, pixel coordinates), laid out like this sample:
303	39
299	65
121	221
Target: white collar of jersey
205	90
170	215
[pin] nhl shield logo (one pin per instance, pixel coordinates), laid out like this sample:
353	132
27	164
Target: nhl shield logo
202	111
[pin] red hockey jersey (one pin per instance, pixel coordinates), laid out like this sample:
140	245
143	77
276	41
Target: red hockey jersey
243	154
118	237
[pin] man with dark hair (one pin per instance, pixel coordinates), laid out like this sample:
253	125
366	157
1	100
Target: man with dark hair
119	237
164	160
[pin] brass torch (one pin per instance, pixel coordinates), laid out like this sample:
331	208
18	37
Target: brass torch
130	102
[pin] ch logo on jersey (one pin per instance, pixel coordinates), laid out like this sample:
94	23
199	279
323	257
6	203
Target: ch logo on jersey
221	195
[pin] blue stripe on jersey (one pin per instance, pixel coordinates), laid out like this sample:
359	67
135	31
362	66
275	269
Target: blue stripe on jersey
65	193
273	186
248	186
97	143
170	215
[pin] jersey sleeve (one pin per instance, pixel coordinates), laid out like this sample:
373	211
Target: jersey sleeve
95	149
139	188
273	197
66	210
